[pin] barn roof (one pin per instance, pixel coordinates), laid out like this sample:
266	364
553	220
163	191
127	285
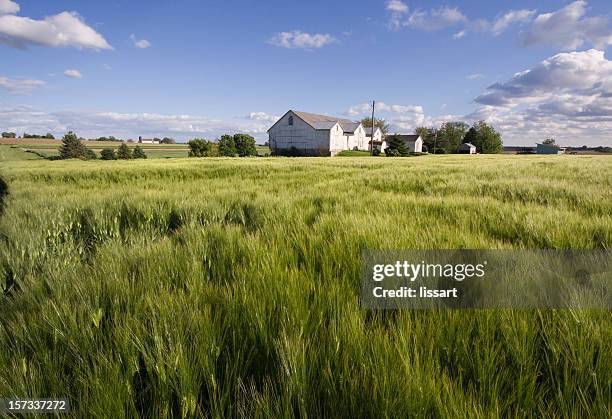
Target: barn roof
349	127
408	137
313	118
368	130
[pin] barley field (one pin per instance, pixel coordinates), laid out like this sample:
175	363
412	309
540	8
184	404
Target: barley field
230	287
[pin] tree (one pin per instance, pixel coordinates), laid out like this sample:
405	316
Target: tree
245	145
49	136
167	140
396	147
139	153
380	123
429	137
549	141
450	136
72	148
485	138
227	147
124	152
200	148
9	135
89	154
108	154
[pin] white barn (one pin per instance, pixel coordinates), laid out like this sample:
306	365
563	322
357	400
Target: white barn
316	135
378	136
414	143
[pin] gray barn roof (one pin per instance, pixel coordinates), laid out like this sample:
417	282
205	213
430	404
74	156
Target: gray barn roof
349	127
312	118
368	130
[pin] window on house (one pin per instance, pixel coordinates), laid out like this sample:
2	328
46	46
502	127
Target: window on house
291	120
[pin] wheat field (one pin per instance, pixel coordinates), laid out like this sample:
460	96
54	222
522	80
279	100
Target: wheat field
230	287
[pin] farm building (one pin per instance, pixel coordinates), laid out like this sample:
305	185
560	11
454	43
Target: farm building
315	135
378	136
549	149
466	148
414	142
148	140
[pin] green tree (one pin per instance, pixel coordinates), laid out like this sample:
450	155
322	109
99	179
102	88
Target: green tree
167	140
486	139
245	145
450	135
429	137
380	123
396	147
49	136
227	147
89	154
72	148
108	154
139	153
549	141
200	148
9	135
124	152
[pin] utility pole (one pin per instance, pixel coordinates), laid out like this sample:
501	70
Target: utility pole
373	126
435	140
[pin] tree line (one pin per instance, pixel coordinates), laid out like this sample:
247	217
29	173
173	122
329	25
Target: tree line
241	145
73	148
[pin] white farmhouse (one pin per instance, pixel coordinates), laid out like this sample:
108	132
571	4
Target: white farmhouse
315	135
378	136
414	143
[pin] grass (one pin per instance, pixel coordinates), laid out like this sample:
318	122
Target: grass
229	287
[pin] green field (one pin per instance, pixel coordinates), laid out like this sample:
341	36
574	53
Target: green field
50	148
229	287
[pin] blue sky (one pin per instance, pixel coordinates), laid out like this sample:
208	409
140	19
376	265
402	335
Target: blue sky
201	68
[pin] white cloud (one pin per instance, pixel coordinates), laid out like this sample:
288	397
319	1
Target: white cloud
459	34
435	19
567	96
76	74
397	6
8	7
140	43
475	76
20	86
262	116
513	16
298	39
66	29
568	29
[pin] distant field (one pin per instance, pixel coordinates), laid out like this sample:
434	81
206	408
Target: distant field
229	287
51	147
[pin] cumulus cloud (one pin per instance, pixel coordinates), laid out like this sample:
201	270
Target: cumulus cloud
75	74
298	39
66	29
435	19
8	7
262	116
20	86
567	96
585	73
513	16
140	43
569	29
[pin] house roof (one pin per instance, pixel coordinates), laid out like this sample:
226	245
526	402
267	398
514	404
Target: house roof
349	127
408	137
368	130
470	145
